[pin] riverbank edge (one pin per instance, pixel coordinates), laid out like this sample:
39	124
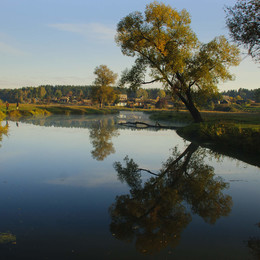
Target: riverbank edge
236	135
30	111
225	137
237	141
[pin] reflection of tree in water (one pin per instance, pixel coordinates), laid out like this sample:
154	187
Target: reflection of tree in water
254	244
3	131
155	213
101	134
6	238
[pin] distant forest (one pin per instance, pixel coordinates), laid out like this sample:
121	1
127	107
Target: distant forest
245	94
48	92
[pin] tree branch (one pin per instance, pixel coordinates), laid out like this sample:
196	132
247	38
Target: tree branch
152	81
145	170
145	125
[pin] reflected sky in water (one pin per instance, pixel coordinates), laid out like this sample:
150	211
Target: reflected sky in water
55	192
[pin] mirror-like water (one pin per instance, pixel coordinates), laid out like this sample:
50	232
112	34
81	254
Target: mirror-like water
85	188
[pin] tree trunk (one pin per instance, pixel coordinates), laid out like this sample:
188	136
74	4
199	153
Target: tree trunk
191	107
195	113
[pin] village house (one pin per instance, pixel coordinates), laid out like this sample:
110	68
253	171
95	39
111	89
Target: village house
87	102
64	100
122	100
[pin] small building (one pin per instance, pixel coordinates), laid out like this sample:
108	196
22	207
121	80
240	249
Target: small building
139	102
121	104
122	100
122	97
64	100
87	102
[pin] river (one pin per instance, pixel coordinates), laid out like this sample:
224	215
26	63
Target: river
82	187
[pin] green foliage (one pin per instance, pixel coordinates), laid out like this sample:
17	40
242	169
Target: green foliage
227	108
2	115
246	138
3	131
161	93
77	110
102	92
213	117
161	103
58	93
257	95
31	110
42	92
243	22
29	94
142	93
100	135
165	46
245	94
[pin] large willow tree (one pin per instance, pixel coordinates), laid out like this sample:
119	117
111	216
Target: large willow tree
166	47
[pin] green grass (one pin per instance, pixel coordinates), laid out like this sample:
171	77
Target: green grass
2	115
228	117
170	116
233	134
241	141
27	110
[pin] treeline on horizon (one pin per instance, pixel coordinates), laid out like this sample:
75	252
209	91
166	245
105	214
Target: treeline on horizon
245	94
27	94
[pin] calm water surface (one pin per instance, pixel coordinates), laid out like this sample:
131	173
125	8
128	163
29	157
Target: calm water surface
68	191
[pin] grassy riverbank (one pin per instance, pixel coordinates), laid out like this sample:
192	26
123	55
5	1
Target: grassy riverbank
233	134
244	137
26	110
231	117
241	141
3	131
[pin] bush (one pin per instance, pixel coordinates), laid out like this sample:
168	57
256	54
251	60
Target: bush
228	108
2	115
245	138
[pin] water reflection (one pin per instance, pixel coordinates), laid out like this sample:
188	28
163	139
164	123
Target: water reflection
101	134
3	130
155	213
101	129
254	244
6	238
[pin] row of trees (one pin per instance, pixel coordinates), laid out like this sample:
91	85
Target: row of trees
244	94
26	94
110	94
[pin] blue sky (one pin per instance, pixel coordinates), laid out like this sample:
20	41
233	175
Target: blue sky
62	41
